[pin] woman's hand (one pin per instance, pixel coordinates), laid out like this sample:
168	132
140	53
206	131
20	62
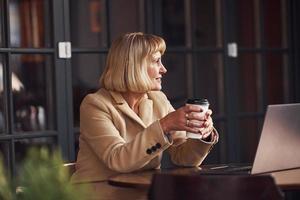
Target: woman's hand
188	118
207	126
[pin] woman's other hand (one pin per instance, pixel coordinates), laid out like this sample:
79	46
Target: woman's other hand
188	118
207	126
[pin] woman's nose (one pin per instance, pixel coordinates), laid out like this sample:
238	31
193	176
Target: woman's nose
162	68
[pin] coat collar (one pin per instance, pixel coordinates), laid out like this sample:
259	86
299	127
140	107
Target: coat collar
145	109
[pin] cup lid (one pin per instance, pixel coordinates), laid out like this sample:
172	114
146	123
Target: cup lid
199	101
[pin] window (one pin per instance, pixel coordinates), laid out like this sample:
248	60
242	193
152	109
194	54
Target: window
41	93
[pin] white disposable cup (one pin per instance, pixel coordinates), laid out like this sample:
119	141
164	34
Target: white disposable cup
204	104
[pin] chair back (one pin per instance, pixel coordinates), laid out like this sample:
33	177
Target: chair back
70	167
213	187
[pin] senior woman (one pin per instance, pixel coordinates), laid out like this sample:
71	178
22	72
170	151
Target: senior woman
127	124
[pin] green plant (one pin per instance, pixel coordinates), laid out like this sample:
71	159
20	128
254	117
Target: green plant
5	185
42	177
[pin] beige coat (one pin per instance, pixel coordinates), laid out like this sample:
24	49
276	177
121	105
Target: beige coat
114	139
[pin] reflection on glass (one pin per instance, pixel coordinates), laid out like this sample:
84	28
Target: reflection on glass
88	27
248	25
2	108
249	83
34	103
207	23
126	16
278	80
208	80
86	71
275	33
4	154
22	147
173	22
249	130
174	82
219	152
1	23
30	23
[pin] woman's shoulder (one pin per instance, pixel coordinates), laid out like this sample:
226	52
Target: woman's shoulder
100	97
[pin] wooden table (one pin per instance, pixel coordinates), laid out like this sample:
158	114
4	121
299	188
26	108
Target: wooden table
143	179
136	185
286	180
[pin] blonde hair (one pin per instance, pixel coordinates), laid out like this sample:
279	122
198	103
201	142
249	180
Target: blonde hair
127	62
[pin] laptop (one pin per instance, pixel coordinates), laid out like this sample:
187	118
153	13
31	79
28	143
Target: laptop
279	144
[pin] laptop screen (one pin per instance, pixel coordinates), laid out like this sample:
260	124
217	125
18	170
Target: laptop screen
279	144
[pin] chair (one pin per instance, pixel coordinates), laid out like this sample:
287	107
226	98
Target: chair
70	167
213	187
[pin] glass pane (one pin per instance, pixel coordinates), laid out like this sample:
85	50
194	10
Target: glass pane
30	24
88	23
176	77
275	33
86	71
248	25
126	16
5	154
173	22
33	96
219	153
248	135
23	145
208	80
1	24
207	23
249	81
2	107
278	80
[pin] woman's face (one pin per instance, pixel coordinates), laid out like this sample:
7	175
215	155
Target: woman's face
156	70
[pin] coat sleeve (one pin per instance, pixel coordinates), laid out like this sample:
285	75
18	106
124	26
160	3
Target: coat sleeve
189	152
99	131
